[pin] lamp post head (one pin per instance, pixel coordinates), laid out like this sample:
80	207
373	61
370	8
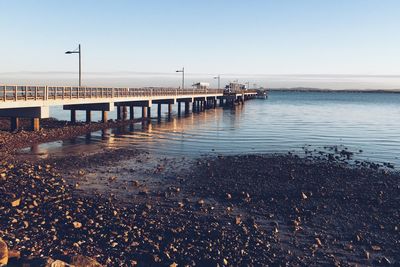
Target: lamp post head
68	52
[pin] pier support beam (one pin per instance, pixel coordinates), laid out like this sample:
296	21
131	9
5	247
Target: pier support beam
124	113
104	116
149	113
131	113
73	115
144	113
33	113
187	107
14	121
108	106
88	115
35	124
179	109
159	111
169	110
119	113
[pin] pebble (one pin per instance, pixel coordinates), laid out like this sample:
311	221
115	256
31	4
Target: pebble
3	253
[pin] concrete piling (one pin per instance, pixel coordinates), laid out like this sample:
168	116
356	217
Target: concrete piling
104	116
88	116
14	121
73	115
124	113
144	113
169	110
149	112
35	124
187	107
119	113
159	111
131	113
179	109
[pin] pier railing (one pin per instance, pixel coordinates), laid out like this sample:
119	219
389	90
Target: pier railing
25	92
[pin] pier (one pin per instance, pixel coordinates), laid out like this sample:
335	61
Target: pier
33	102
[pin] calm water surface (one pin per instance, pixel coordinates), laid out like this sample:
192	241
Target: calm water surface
286	121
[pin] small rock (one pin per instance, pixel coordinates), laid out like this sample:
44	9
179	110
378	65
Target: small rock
16	202
200	202
238	220
58	263
376	248
83	261
384	261
3	253
77	225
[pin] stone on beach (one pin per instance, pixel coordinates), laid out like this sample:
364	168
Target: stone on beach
3	253
83	261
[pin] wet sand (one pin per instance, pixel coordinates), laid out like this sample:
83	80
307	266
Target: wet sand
126	207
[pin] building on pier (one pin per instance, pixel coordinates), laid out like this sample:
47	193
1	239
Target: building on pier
235	87
201	85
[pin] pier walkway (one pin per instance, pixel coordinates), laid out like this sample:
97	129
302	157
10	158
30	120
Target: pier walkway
21	101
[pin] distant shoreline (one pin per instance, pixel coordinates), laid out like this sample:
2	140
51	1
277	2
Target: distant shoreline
304	89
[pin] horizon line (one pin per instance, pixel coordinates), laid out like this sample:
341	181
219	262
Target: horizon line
200	73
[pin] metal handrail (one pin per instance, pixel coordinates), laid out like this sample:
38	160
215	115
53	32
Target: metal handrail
40	93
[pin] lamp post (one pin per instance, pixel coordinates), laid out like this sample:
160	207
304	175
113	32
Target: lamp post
219	81
183	77
77	51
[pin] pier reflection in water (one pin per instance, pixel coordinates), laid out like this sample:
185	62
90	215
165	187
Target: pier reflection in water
167	135
286	121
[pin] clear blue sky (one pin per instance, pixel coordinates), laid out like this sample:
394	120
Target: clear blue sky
205	36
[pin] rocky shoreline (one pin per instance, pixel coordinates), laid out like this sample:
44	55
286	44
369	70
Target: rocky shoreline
219	211
51	130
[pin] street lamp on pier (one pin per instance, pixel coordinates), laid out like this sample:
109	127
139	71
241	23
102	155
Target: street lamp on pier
219	81
77	51
183	77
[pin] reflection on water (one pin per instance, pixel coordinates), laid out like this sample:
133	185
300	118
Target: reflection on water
286	121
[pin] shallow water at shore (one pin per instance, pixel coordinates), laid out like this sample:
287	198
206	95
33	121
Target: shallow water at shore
287	121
